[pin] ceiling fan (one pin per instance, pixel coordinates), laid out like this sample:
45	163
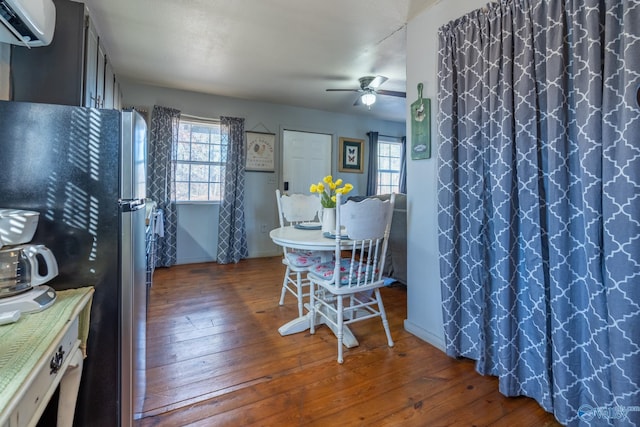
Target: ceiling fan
369	89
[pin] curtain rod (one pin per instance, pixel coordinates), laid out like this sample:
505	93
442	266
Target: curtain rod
387	136
204	119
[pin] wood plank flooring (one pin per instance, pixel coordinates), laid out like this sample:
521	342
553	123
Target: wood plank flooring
215	358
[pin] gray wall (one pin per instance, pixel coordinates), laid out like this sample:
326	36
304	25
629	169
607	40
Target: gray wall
424	300
197	223
5	56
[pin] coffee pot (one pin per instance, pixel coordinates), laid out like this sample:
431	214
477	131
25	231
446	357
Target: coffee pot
23	267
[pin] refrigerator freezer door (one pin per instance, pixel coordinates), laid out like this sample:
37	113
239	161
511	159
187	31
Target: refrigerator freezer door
134	156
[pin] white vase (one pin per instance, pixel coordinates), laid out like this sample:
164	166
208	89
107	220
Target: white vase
329	220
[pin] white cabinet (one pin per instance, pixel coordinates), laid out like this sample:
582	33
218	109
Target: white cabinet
47	350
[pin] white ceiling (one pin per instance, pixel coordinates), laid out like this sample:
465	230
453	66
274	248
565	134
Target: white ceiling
280	51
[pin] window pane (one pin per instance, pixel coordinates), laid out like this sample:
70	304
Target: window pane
184	132
385	179
395	164
200	152
216	173
182	172
199	173
199	134
384	163
216	153
215	192
395	150
183	151
182	191
199	191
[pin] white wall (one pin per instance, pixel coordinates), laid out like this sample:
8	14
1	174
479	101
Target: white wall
197	224
424	299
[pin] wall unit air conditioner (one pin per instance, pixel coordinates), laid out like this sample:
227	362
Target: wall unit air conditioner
27	22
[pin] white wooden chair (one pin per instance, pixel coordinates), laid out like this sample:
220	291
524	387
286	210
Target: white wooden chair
296	209
358	278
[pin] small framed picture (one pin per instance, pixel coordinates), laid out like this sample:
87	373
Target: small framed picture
260	152
351	155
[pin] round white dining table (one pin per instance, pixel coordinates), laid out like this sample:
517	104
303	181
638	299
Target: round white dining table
299	238
313	240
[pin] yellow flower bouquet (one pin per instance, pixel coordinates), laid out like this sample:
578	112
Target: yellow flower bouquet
327	189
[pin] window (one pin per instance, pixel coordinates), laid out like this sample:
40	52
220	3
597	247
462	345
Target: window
199	165
389	158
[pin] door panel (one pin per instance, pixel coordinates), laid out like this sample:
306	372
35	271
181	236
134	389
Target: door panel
306	159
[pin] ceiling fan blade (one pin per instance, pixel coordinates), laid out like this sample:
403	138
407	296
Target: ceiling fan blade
358	101
392	93
343	90
377	81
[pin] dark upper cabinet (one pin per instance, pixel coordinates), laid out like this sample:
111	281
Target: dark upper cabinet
70	71
108	85
91	66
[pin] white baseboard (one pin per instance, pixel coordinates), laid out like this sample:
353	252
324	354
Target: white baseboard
424	335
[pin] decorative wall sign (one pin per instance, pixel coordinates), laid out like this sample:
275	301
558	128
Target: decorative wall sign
421	127
260	151
351	155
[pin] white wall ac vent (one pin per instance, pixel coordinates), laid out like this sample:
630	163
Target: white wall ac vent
27	22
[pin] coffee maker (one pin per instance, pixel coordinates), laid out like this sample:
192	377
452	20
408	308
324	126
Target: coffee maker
24	267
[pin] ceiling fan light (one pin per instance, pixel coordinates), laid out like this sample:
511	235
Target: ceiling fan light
368	98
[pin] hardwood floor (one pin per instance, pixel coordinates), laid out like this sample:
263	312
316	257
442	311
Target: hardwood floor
215	358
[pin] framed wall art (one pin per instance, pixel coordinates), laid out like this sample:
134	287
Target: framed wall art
260	151
351	155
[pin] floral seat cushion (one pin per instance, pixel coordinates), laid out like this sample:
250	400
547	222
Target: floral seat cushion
325	271
301	258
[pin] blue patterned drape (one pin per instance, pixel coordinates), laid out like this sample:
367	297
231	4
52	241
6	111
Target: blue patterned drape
539	202
402	187
232	234
161	182
372	171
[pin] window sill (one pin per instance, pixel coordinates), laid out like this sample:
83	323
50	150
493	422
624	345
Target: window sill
194	202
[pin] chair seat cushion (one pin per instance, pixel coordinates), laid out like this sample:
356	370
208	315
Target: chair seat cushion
325	271
301	258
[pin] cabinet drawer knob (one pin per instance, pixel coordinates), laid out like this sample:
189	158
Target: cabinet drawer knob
56	361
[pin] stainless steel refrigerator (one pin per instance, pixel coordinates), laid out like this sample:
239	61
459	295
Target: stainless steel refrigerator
84	170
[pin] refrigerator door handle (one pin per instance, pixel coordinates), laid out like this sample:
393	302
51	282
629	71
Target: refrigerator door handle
131	205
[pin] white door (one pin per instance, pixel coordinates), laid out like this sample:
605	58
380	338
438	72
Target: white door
306	159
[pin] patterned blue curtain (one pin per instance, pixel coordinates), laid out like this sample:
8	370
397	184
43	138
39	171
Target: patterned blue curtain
539	202
372	171
232	234
161	182
402	187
